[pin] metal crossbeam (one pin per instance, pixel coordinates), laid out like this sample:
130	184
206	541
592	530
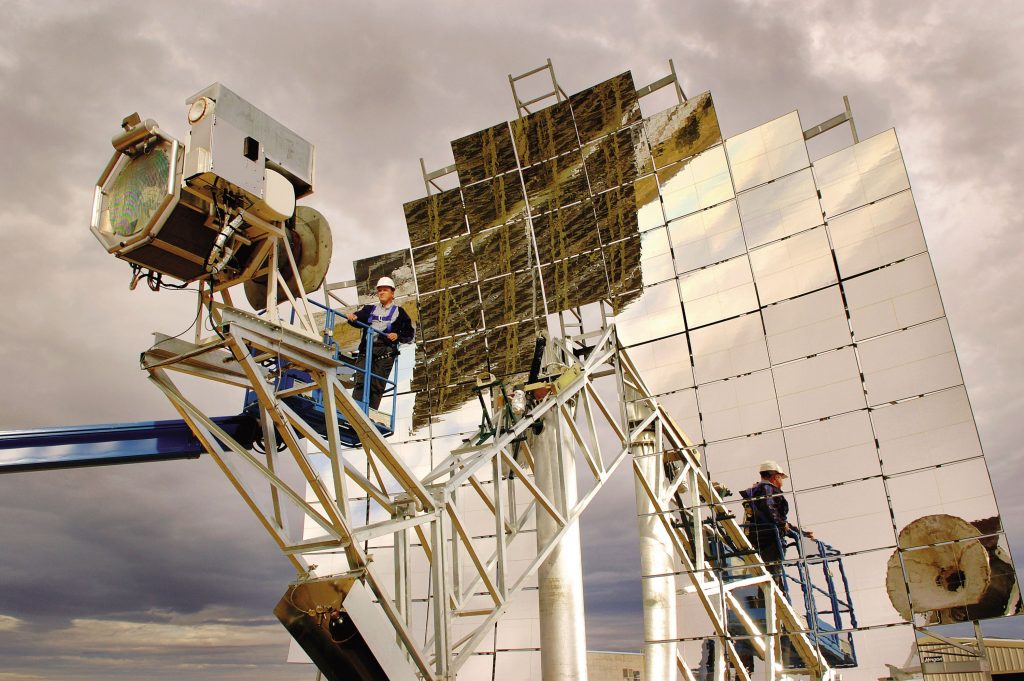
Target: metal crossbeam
497	473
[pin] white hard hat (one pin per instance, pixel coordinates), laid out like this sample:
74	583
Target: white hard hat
386	281
769	466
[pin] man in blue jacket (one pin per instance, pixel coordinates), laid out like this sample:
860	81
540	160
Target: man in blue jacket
395	327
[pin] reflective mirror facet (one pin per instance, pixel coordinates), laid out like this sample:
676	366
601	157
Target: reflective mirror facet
683	131
780	208
767	152
718	292
605	107
493	202
707	237
858	175
484	154
544	134
435	217
695	183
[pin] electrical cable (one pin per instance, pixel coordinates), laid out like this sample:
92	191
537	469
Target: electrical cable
187	329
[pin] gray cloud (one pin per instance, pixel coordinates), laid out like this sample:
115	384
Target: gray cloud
375	87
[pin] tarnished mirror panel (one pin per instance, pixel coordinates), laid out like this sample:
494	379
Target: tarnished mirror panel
605	107
508	299
683	131
545	134
566	231
556	182
511	348
503	250
444	264
617	210
435	217
484	154
576	281
494	201
618	159
396	264
450	311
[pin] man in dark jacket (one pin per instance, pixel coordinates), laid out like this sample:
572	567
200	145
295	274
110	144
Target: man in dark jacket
767	517
394	327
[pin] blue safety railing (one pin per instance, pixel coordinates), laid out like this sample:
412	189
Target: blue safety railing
827	602
310	405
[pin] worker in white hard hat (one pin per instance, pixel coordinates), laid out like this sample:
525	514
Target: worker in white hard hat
391	326
766	524
767	517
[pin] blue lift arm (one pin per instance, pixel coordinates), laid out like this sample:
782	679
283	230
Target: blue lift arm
105	444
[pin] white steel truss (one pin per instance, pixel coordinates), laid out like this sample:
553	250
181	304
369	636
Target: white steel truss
496	468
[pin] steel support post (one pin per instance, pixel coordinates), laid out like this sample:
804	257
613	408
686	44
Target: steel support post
659	593
563	637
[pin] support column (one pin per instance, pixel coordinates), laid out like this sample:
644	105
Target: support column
659	593
563	635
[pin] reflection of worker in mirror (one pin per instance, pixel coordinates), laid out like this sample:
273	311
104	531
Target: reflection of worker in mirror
767	517
395	327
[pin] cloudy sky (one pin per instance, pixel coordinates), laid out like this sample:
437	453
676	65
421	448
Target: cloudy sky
156	571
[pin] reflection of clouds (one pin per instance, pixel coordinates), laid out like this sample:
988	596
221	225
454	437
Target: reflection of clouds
717	292
780	208
787	268
655	314
707	237
876	235
767	152
729	348
861	173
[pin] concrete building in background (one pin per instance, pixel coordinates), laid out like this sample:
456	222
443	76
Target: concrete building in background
612	666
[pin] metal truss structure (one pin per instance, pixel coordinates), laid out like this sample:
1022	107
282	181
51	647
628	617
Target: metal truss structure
694	517
499	467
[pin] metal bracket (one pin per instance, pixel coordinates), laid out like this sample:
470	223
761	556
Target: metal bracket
670	79
557	92
834	122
